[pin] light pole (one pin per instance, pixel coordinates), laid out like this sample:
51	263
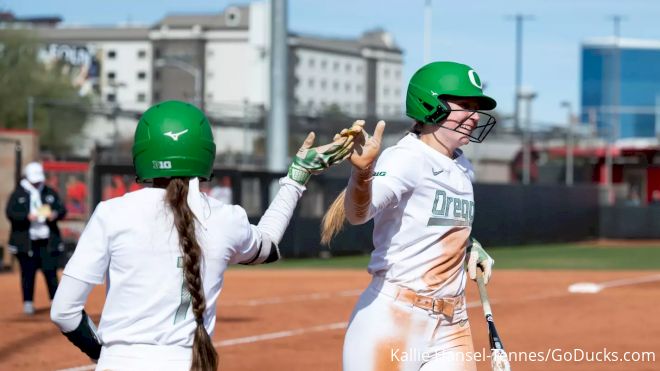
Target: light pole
569	143
189	68
427	31
613	132
528	96
30	112
519	19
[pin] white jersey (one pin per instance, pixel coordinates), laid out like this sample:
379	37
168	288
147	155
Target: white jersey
421	236
132	239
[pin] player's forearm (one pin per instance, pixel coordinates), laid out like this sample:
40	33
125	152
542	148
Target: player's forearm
69	301
276	218
358	196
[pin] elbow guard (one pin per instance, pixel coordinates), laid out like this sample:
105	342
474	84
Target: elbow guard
85	338
268	252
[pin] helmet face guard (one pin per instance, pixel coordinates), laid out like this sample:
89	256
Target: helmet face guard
435	83
476	134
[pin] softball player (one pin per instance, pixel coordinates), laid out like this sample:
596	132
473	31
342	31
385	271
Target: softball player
419	193
163	250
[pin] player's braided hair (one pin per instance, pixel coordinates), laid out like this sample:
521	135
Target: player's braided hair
204	356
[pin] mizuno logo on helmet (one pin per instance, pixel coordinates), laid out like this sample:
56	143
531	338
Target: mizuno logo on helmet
175	136
474	79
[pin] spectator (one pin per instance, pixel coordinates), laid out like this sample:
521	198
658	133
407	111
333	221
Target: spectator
76	196
33	210
655	197
222	192
116	188
633	198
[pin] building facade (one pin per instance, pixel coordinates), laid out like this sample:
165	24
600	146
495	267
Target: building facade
221	62
621	87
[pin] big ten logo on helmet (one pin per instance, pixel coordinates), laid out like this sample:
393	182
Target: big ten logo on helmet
162	164
451	211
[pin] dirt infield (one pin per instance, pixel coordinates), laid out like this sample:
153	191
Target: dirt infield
295	320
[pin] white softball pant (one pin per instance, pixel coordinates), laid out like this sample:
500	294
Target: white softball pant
388	334
141	357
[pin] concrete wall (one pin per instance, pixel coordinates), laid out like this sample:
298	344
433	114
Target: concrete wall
29	141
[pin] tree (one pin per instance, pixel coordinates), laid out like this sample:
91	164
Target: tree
59	113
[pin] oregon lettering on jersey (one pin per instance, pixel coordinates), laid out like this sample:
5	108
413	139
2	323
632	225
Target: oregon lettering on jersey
451	211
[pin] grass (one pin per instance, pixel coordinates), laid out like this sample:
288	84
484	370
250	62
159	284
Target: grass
564	256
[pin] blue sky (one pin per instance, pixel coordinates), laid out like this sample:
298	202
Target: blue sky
481	36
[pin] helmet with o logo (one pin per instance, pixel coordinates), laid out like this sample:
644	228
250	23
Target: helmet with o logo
435	82
173	138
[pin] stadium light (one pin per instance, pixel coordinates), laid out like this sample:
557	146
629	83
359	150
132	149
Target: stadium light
569	142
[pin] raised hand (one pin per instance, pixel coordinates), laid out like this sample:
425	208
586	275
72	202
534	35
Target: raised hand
313	160
366	147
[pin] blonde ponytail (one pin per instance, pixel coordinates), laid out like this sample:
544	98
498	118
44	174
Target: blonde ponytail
333	220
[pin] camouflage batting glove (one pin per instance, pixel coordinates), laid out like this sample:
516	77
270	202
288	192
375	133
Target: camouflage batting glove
477	256
313	160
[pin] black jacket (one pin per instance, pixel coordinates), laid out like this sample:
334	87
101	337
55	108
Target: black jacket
17	212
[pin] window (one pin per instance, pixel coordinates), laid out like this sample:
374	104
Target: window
386	72
310	83
111	75
347	87
141	75
335	86
323	84
323	64
358	88
386	92
141	97
156	96
112	54
397	74
347	67
111	98
335	66
156	75
310	62
142	53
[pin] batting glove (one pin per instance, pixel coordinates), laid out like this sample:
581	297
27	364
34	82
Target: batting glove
315	160
477	256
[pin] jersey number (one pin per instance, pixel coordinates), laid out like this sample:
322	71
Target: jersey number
182	310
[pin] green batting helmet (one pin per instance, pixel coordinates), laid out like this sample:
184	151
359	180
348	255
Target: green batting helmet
432	84
173	139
